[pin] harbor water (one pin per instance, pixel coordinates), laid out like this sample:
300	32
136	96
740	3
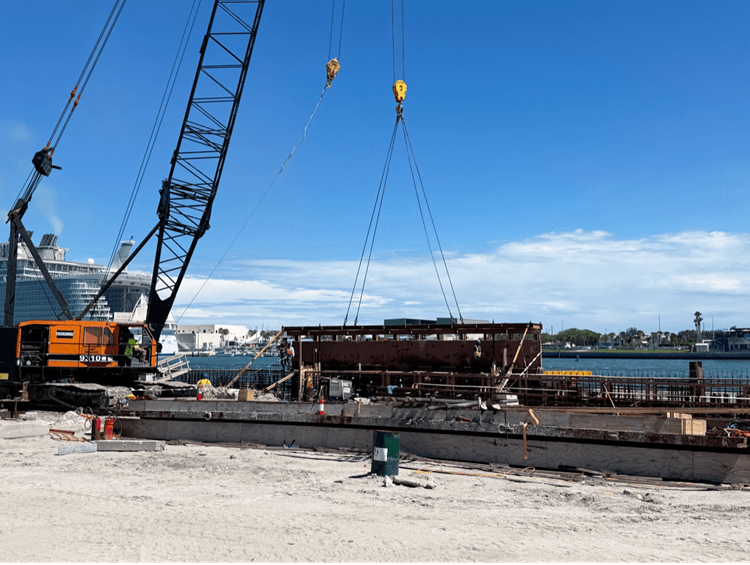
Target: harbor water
716	368
729	368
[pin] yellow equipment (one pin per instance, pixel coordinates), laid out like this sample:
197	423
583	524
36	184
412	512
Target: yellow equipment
332	69
399	90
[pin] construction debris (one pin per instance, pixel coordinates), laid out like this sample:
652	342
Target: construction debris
15	430
130	445
429	483
87	447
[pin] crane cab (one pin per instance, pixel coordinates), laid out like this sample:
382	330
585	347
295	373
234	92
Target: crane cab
87	351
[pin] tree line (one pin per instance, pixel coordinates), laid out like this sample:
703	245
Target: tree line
630	337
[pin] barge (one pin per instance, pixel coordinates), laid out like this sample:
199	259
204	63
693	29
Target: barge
462	392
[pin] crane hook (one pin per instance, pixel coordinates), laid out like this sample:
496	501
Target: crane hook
332	68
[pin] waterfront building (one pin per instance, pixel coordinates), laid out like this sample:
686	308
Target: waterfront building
734	339
208	337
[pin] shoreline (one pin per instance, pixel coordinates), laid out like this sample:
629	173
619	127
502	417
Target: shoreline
572	354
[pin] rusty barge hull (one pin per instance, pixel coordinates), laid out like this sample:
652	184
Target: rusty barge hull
507	436
453	359
481	360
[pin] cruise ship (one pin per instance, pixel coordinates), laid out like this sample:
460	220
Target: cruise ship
79	283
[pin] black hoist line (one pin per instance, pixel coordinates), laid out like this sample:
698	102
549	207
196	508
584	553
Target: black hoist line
332	68
42	162
399	93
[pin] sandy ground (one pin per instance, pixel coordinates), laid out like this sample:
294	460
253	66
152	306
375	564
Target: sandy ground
211	503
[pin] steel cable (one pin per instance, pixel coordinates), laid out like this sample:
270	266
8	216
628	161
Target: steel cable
33	181
91	71
411	156
341	30
156	128
378	198
403	40
403	43
375	231
432	219
83	71
393	38
330	37
283	165
424	224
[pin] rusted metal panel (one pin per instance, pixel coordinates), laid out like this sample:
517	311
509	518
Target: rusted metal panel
473	348
415	355
515	331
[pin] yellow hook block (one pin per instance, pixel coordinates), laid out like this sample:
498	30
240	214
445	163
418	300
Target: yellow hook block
399	90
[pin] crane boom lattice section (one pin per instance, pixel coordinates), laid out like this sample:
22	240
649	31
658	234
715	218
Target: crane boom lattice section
187	195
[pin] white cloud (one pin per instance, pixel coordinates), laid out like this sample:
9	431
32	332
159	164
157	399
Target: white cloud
15	131
584	279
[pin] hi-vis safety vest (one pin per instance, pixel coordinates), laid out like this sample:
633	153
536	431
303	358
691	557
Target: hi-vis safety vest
477	352
132	344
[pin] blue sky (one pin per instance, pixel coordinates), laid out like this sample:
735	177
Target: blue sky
586	162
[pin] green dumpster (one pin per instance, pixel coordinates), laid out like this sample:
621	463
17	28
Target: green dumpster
386	447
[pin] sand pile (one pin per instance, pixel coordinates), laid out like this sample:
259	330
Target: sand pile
261	396
73	422
219	393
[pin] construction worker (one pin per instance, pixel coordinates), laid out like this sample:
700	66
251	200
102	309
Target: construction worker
203	385
478	350
131	348
286	352
309	389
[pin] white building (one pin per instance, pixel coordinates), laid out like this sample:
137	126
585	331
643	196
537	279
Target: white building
207	337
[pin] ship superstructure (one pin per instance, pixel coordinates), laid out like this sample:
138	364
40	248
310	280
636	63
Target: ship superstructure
78	282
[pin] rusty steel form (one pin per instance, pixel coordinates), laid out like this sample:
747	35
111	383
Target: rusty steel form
439	361
596	390
423	358
593	390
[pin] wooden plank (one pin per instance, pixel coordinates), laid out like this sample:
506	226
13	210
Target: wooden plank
269	387
694	427
681	415
644	424
238	375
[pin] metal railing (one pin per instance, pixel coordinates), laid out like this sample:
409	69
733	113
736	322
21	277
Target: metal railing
556	390
174	366
601	390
